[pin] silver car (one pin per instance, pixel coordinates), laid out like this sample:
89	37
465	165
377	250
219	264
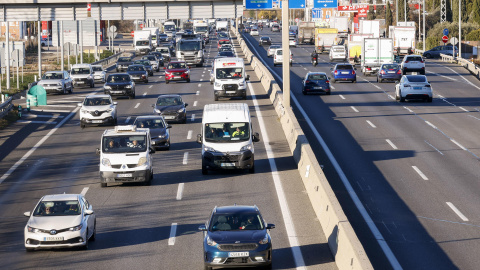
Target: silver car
56	82
98	73
271	50
153	62
60	221
413	87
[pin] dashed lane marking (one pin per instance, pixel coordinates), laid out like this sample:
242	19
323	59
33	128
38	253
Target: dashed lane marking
424	177
371	124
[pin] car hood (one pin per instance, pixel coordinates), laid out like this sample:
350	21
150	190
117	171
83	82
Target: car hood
54	222
98	72
117	84
155	132
170	108
135	72
176	70
49	81
97	108
243	236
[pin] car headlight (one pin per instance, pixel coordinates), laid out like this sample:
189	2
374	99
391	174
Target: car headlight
157	111
181	110
59	84
241	84
208	149
83	111
89	77
76	228
217	84
246	147
142	161
110	110
128	86
106	162
107	87
162	136
210	242
264	240
32	230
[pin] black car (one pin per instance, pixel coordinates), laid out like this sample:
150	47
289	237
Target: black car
160	57
172	108
265	41
138	73
147	65
236	236
225	54
159	134
119	84
316	82
123	63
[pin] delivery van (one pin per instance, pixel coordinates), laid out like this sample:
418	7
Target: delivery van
229	78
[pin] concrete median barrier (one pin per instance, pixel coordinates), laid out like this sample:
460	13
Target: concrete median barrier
342	240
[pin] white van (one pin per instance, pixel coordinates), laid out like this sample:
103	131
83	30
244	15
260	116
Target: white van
227	137
126	155
338	52
229	78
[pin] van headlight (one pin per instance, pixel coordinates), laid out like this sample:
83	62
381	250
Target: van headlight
208	149
181	110
142	161
157	111
84	111
89	77
107	87
106	162
59	84
247	147
217	84
128	86
241	84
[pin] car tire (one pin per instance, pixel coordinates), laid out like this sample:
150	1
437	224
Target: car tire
404	71
65	91
205	172
29	249
71	89
252	170
188	80
402	99
184	120
215	98
328	93
167	81
430	99
92	85
115	121
103	185
291	64
422	72
85	247
354	81
304	92
82	125
333	80
94	235
427	55
146	81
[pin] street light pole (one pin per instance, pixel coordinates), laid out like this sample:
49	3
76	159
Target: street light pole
396	11
459	28
405	10
286	56
424	33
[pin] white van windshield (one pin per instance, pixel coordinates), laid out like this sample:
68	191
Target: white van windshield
124	144
229	73
227	132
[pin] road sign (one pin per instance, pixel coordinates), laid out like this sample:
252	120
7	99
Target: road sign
112	28
294	4
89	7
454	40
258	4
325	4
316	13
445	39
445	32
132	33
297	20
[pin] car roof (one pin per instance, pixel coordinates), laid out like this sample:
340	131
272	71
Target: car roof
101	96
54	71
97	66
415	76
149	117
60	197
169	95
122	73
81	65
236	209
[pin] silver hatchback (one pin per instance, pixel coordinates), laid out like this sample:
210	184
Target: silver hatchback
56	82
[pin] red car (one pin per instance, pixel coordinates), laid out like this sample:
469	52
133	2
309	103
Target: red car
223	41
177	71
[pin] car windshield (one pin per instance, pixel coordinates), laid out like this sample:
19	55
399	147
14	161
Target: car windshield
142	43
151	58
136	68
416	78
52	76
227	132
229	73
274	47
264	38
149	123
169	101
390	66
189	45
124	143
118	78
236	221
338	49
97	68
226	53
163	36
222	35
279	52
142	62
124	59
163	50
201	28
80	71
97	101
177	66
57	208
345	67
414	58
221	42
169	27
316	77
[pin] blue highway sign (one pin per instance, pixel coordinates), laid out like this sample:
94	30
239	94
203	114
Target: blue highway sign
294	4
325	3
258	4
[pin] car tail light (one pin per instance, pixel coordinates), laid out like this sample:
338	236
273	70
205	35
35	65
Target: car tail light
336	72
307	81
406	85
423	67
399	72
353	72
327	81
382	72
407	61
421	61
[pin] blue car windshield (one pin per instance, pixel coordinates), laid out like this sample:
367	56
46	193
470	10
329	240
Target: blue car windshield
236	222
345	67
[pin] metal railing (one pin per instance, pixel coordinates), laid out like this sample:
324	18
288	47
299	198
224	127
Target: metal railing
470	66
5	107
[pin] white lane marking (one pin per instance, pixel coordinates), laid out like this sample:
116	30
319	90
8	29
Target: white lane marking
203	72
305	68
458	144
287	218
440	96
159	77
189	135
450	78
434	148
43	115
47	110
201	80
180	191
332	87
84	191
37	145
368	220
354	109
378	87
136	106
203	75
424	177
35	122
150	86
173	231
469	82
145	93
455	209
371	124
463	109
198	93
341	96
408	109
391	144
474	117
195	102
59	105
185	158
199	85
193	117
391	97
430	124
127	120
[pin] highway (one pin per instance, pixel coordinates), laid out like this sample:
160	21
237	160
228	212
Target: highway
151	227
414	165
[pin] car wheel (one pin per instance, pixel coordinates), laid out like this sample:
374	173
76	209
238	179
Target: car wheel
146	81
333	80
206	267
268	267
252	170
215	98
430	99
85	247
167	81
103	184
94	235
404	71
427	55
402	99
205	172
188	80
354	81
291	64
328	93
29	249
71	89
82	125
211	82
422	72
115	121
274	64
65	90
92	85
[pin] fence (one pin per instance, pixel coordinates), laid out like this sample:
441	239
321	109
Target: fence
5	107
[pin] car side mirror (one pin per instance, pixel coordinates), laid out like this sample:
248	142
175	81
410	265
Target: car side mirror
328	78
354	68
97	151
27	214
199	138
115	103
79	104
256	137
270	226
169	126
202	228
186	104
247	78
88	212
153	105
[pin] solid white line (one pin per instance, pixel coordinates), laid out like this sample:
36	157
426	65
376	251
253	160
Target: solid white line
199	85
459	145
391	97
371	124
150	86
136	106
201	80
180	191
195	103
463	217
198	93
193	117
203	75
368	220
430	124
287	218
173	231
189	135
185	158
127	120
469	82
66	106
408	109
37	145
43	115
378	87
35	122
463	109
391	144
84	191
424	177
341	96
332	87
47	110
62	101
450	78
354	109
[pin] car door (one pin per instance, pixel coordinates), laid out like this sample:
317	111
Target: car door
67	80
89	219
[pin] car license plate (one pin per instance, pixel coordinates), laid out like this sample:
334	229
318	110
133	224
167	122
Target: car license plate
79	82
124	175
117	92
391	72
177	77
136	78
230	164
230	92
238	254
53	238
317	87
414	73
346	72
97	121
169	117
417	88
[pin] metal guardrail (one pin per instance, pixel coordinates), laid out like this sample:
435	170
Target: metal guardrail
5	107
107	61
420	52
472	67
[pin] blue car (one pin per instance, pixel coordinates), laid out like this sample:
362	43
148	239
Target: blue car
316	82
435	52
389	72
344	72
236	236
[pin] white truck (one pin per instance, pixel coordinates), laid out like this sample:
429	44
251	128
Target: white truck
341	23
370	27
200	27
153	34
222	26
142	41
230	78
170	29
403	39
190	49
375	52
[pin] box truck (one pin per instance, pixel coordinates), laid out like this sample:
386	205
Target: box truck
341	23
403	39
370	27
306	32
325	38
142	41
375	52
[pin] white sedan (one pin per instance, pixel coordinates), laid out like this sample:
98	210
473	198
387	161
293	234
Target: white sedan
254	32
60	221
413	87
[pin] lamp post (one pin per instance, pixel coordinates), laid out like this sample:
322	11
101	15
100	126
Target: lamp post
459	29
286	56
424	25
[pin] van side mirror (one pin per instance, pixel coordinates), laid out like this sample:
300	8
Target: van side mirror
202	228
186	104
27	214
270	226
199	138
79	104
97	151
256	137
115	103
88	212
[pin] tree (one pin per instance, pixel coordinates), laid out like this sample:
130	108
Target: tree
380	14
401	10
455	10
388	17
449	11
475	16
371	12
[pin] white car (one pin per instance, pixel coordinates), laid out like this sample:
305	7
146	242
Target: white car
338	52
278	57
98	73
254	32
98	110
271	50
292	41
413	87
60	221
413	63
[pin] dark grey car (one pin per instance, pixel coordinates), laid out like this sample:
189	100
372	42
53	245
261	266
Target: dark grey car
171	107
435	52
159	130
